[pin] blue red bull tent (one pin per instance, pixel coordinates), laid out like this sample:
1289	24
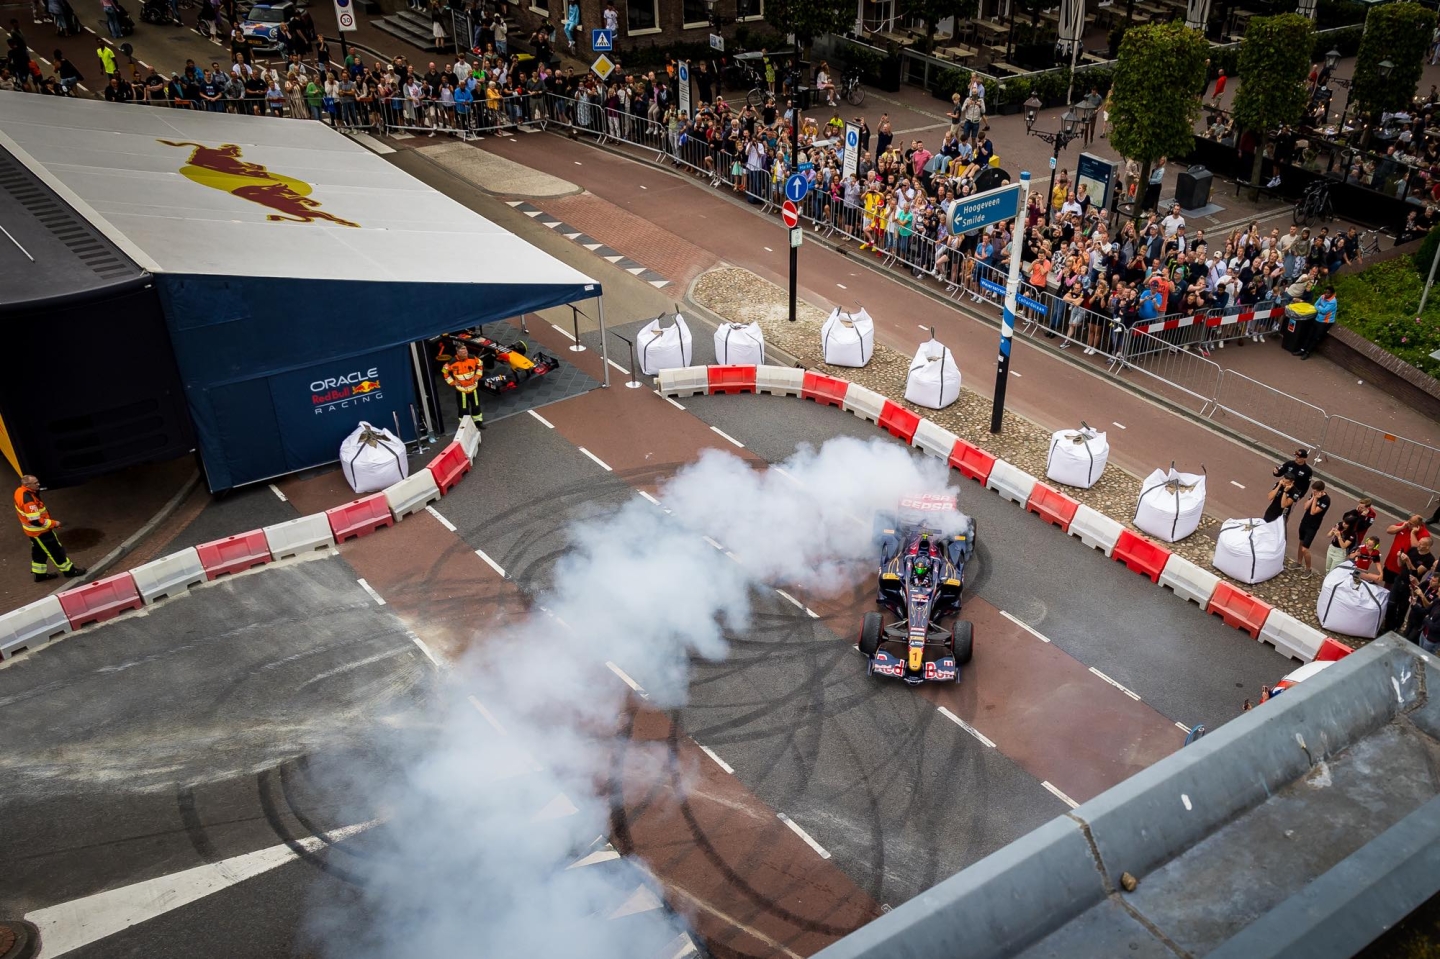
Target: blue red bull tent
295	267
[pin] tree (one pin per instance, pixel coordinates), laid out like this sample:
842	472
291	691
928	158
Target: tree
1154	110
808	19
1274	62
933	11
1400	33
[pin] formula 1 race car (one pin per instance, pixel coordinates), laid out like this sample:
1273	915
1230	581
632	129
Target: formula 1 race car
924	546
504	368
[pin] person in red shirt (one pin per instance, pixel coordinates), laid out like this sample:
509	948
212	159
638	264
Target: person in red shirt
1406	534
1367	559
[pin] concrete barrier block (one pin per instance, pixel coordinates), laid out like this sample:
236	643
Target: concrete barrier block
779	380
993	909
1290	636
33	625
1011	482
684	381
412	494
864	403
935	440
296	536
1189	581
169	575
468	436
1095	529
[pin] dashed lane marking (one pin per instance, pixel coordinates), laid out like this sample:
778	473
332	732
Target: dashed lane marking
718	761
966	726
1182	727
713	543
650	498
429	653
440	519
669	399
1059	795
566	333
598	461
491	563
489	716
625	678
1134	696
719	432
795	828
548	425
1121	425
379	600
618	367
1025	626
791	599
276	490
1237	485
842	286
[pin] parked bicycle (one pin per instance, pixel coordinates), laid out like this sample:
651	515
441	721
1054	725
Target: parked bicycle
1369	242
850	88
1315	204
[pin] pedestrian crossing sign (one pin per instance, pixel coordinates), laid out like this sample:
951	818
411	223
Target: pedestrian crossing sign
603	67
602	41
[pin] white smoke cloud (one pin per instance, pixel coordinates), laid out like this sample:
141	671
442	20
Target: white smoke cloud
482	823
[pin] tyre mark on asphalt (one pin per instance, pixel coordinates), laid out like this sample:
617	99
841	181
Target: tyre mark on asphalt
194	828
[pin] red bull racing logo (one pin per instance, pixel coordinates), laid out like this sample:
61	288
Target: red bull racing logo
341	392
221	168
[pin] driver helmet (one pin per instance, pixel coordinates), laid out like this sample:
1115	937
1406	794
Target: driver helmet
922	568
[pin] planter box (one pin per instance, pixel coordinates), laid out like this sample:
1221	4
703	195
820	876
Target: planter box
1395	377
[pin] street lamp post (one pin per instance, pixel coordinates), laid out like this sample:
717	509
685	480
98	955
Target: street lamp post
1060	139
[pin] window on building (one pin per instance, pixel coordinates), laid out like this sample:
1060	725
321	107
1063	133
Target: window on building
694	13
541	7
749	9
642	15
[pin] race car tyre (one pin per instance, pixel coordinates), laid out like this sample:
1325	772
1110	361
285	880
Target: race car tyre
521	347
870	629
964	642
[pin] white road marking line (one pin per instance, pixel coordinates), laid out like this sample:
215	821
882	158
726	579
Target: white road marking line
792	599
440	519
717	430
842	286
566	333
1134	696
625	678
786	473
650	498
768	250
429	653
824	854
1121	425
668	399
922	326
608	854
1025	626
379	600
1013	373
713	543
489	716
557	808
598	461
548	425
546	610
811	613
1239	485
731	556
1186	800
644	187
72	925
1183	728
718	761
490	562
1059	795
967	727
276	490
618	367
859	650
642	900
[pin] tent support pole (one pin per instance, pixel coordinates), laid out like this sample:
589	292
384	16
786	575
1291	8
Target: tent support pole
604	348
424	388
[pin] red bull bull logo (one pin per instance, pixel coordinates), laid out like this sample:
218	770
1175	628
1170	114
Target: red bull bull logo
221	168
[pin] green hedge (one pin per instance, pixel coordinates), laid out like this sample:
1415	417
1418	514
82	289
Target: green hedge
1379	304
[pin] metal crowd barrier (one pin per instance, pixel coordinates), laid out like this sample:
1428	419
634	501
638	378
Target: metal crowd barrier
1408	461
1292	420
1184	375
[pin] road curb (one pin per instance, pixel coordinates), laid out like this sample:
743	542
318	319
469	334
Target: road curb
134	539
18	939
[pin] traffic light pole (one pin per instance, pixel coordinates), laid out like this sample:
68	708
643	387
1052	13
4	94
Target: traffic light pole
1012	290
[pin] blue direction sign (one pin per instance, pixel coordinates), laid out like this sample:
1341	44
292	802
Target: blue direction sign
796	186
602	41
852	138
983	209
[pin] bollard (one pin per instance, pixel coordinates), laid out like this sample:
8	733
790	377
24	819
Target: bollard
576	347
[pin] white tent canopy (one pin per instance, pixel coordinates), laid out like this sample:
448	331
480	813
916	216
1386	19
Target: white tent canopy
113	165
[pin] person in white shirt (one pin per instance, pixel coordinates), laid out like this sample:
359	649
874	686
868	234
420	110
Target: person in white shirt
612	16
1172	222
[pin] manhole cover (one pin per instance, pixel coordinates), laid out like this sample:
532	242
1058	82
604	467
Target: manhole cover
80	538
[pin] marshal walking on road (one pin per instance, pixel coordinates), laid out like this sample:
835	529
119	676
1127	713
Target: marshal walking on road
45	546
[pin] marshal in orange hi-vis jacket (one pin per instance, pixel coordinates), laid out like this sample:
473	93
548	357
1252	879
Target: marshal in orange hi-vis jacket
463	373
45	546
